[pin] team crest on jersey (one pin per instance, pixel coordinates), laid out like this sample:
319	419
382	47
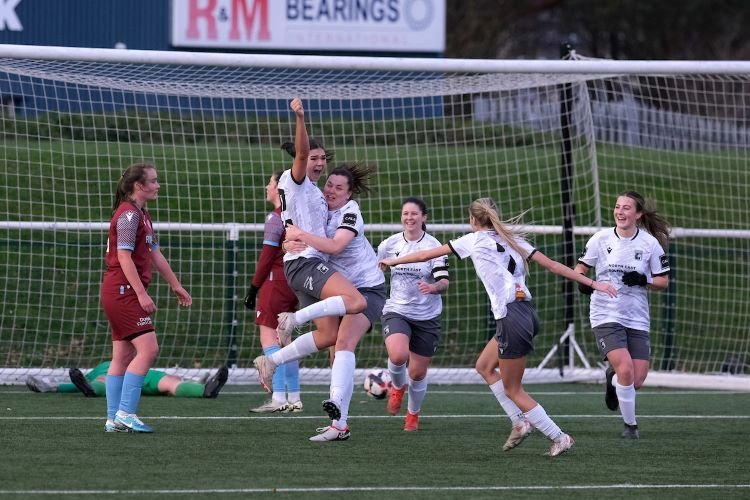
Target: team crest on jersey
349	219
609	249
638	255
129	214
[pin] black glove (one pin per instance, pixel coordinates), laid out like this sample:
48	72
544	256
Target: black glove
634	278
585	289
252	292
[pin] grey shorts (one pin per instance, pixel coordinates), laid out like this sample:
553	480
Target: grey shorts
375	297
610	336
424	335
515	332
307	278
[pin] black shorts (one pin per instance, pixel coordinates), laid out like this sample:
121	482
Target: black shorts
424	335
515	332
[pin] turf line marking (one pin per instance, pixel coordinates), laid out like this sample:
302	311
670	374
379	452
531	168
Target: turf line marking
281	418
335	489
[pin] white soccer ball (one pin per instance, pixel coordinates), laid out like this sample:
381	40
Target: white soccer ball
378	383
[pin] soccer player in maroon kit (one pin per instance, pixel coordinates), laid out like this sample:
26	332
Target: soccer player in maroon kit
132	251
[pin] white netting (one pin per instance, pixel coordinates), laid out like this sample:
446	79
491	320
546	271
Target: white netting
214	132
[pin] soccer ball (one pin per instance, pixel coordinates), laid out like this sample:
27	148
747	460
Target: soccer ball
377	383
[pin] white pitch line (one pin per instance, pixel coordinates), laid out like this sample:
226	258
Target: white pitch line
340	489
282	418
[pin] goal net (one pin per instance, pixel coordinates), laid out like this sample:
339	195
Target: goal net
548	137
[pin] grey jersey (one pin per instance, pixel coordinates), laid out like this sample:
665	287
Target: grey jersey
501	269
405	298
304	206
357	262
612	256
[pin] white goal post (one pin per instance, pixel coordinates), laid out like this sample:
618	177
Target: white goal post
557	138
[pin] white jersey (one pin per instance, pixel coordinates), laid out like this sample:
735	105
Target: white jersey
501	269
613	256
357	262
405	298
304	206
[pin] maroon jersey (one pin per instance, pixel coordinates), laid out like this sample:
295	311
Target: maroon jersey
130	229
271	261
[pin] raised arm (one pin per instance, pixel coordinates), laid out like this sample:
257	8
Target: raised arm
301	143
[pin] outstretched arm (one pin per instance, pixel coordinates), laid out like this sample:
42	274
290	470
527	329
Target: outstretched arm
566	272
421	256
301	143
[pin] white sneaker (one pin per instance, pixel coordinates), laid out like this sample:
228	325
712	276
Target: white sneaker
111	426
295	407
517	435
265	372
287	324
271	406
561	445
331	433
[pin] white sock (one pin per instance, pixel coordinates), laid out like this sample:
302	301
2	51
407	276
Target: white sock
626	396
417	391
332	306
293	397
541	421
301	347
398	374
513	411
342	383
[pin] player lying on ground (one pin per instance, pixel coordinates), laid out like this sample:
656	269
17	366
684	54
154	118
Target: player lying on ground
156	383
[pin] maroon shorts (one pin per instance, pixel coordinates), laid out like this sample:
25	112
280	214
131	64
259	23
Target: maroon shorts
274	297
125	314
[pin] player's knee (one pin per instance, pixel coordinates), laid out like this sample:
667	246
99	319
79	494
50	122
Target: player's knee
417	374
355	304
484	369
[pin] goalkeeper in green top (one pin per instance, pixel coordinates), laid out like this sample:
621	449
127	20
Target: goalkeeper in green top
156	383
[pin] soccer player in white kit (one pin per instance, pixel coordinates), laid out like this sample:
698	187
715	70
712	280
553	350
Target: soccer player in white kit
352	255
322	292
630	256
411	316
497	253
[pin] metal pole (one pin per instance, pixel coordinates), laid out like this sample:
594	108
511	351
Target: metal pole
670	304
233	237
568	208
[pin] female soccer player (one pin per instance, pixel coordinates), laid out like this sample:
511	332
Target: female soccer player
411	316
352	255
632	257
132	250
274	296
499	256
321	291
